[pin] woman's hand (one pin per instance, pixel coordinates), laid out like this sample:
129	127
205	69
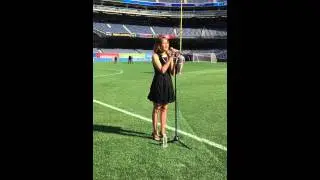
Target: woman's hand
169	53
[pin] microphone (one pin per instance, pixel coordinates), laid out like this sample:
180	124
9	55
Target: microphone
176	52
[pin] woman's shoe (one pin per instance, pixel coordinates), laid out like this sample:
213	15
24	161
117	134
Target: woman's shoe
155	136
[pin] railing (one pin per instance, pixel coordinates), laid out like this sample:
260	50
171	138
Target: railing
159	13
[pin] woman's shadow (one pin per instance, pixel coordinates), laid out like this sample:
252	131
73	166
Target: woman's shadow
120	131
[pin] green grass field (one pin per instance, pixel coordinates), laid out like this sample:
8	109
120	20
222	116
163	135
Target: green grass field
122	145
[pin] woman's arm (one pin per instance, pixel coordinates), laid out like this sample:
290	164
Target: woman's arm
172	68
156	62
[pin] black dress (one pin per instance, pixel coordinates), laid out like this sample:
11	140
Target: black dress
161	90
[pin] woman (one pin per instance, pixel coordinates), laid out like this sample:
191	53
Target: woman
181	61
161	90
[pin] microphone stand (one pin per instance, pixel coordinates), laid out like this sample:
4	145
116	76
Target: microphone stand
176	138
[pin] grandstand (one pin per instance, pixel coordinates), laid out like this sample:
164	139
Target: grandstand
157	30
138	23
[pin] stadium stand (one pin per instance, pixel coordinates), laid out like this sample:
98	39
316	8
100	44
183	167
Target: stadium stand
199	1
163	30
187	32
170	1
138	29
127	28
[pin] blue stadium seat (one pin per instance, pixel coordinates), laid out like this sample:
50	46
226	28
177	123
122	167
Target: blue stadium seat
139	29
163	30
187	32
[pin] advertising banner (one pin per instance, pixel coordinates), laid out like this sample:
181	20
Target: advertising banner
107	55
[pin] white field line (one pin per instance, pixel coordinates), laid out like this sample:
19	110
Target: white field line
104	75
168	127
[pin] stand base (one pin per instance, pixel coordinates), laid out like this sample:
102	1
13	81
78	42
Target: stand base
176	139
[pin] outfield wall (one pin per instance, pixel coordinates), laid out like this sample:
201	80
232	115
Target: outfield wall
122	57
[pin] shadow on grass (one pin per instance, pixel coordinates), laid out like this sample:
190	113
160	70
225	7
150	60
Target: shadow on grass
120	131
155	143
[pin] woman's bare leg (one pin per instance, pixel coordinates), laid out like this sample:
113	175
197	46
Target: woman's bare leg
163	118
155	112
